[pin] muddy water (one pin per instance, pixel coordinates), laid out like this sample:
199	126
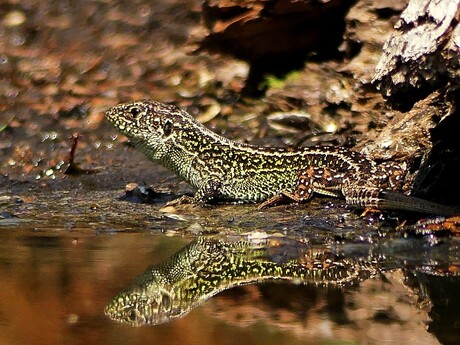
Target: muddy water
55	284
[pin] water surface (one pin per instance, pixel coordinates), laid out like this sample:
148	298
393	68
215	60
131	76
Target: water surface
55	287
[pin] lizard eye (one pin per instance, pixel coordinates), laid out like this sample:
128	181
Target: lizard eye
135	111
167	128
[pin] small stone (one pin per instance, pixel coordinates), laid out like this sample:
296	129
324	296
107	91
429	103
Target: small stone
14	18
131	186
168	209
72	319
257	235
195	229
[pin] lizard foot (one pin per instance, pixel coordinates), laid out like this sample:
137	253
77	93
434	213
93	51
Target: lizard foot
370	211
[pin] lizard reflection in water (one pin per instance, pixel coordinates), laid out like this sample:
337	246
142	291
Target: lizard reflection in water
206	267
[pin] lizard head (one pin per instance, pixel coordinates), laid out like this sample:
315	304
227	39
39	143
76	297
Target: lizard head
169	290
148	124
144	305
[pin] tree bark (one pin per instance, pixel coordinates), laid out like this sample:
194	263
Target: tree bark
419	70
423	54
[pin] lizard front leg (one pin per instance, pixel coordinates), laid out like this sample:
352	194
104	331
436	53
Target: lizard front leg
203	196
207	192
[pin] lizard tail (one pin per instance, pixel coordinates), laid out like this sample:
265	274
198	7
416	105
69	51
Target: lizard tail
398	201
391	200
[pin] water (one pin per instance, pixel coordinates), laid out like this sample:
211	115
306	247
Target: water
55	287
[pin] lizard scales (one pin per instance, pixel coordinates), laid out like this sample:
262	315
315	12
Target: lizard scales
223	169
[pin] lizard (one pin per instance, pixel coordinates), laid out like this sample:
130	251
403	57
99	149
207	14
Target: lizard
221	169
205	267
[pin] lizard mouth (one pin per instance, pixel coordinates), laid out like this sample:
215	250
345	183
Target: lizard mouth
117	117
111	114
